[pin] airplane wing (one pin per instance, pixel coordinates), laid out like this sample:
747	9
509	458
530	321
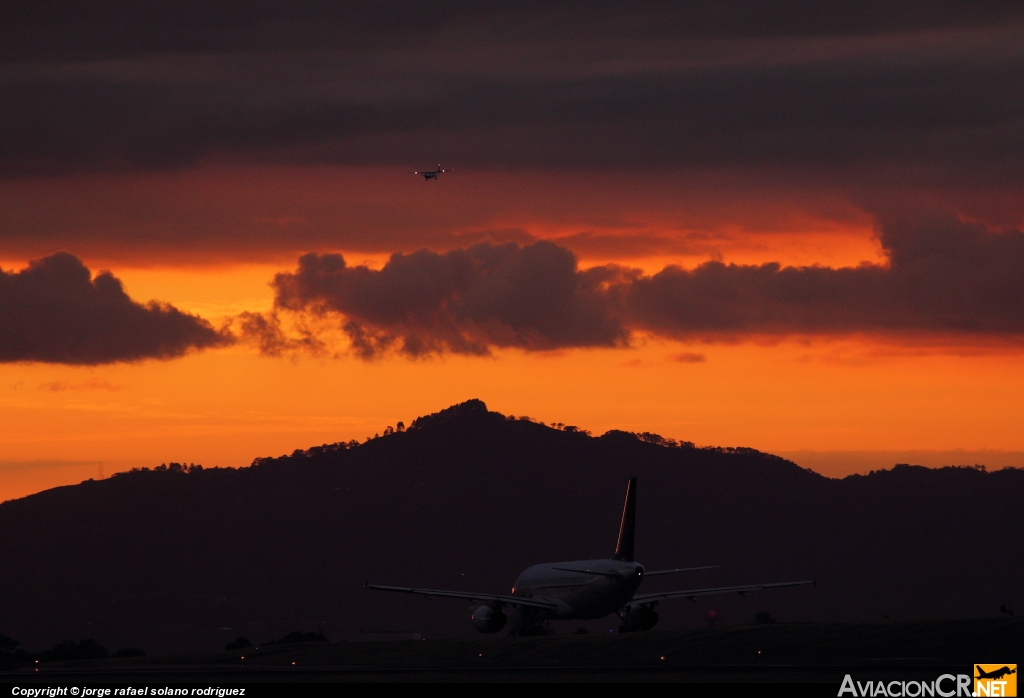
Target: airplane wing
681	569
692	594
468	596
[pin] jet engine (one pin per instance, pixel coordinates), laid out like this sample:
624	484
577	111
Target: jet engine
638	619
488	620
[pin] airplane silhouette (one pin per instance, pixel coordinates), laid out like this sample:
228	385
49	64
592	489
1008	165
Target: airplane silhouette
995	673
430	174
582	589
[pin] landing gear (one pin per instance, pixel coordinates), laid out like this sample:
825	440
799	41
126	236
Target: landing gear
526	622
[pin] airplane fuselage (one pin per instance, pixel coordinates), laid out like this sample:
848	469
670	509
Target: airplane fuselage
582	589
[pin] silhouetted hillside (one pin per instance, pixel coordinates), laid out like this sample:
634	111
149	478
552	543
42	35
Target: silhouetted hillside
191	558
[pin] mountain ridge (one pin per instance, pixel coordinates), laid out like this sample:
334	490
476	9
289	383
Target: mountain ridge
465	498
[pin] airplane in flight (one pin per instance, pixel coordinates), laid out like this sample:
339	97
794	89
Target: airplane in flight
431	174
582	589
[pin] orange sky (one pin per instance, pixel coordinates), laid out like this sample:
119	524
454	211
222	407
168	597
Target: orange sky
60	424
228	407
195	154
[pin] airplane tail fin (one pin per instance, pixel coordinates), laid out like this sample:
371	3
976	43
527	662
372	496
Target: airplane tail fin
624	546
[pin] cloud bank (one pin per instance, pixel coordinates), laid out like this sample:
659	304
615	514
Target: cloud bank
762	115
555	85
464	301
946	276
54	311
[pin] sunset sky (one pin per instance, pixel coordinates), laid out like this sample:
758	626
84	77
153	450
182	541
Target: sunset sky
781	225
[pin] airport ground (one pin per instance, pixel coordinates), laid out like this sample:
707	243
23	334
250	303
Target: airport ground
783	652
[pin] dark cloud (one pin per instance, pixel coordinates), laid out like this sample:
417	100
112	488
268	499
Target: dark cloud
712	116
556	85
105	29
945	276
273	339
55	312
687	357
465	301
